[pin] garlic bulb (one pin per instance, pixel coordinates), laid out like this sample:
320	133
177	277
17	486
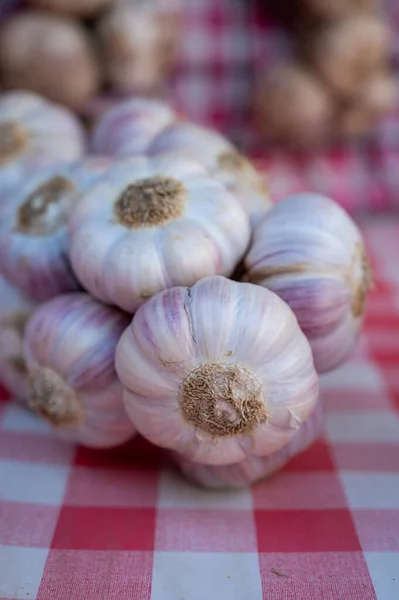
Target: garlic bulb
379	97
33	231
15	311
293	107
332	9
75	8
34	134
128	128
350	51
153	223
219	372
51	55
254	468
310	252
139	41
221	159
70	350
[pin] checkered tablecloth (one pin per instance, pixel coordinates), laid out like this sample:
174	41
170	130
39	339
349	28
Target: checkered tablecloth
80	524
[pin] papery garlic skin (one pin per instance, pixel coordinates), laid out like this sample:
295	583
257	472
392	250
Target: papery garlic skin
254	468
129	128
15	311
34	134
70	350
34	240
219	372
221	159
309	251
153	223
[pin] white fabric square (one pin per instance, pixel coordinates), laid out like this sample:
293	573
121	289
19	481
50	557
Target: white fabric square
362	426
177	575
30	482
371	490
21	571
384	572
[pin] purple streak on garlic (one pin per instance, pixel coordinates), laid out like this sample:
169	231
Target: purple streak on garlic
221	159
34	239
310	252
35	134
128	128
153	223
254	468
70	351
15	311
219	372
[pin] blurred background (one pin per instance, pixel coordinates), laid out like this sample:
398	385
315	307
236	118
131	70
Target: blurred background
307	88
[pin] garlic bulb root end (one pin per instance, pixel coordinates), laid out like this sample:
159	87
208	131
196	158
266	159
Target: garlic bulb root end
152	201
223	399
33	214
53	399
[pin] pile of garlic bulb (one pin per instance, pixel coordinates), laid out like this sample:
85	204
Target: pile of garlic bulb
121	307
340	74
74	51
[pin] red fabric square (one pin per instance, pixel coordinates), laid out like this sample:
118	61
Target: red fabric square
137	453
378	530
205	531
316	458
306	531
112	487
94	528
27	525
323	576
96	575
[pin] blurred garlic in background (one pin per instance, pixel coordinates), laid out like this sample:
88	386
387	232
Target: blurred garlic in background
310	252
152	223
33	230
378	98
70	349
139	40
35	134
293	107
130	127
75	8
331	9
51	55
347	52
218	372
223	161
15	311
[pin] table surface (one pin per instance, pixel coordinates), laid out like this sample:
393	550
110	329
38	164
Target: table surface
119	525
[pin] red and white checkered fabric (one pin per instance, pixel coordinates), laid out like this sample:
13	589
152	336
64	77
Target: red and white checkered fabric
119	525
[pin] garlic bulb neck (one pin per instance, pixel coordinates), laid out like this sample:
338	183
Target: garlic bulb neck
151	202
44	211
364	285
12	140
222	399
50	397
